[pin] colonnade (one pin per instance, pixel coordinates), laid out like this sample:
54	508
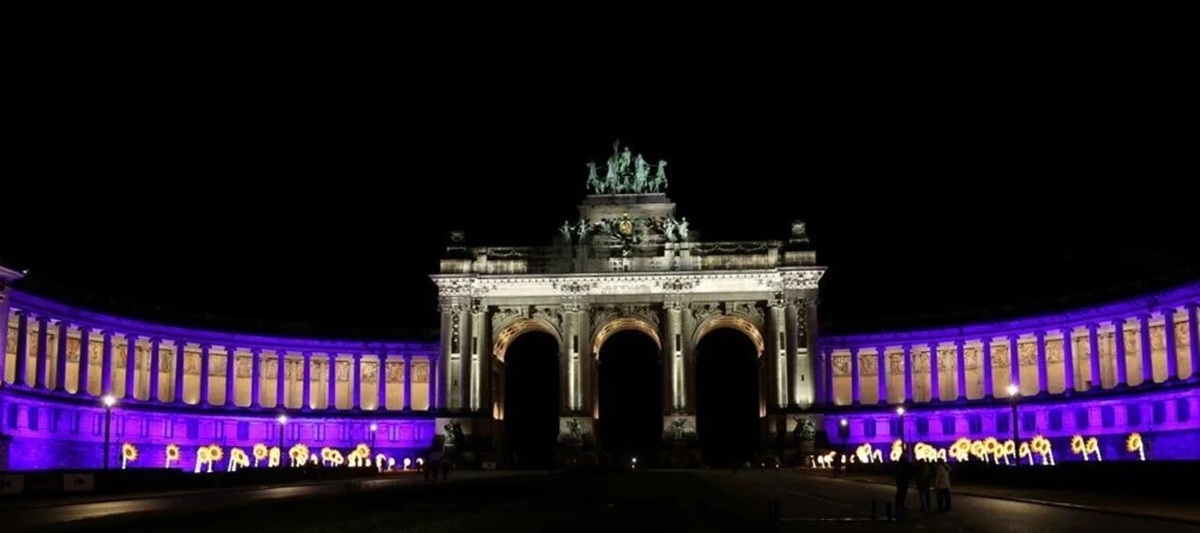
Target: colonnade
1130	345
44	347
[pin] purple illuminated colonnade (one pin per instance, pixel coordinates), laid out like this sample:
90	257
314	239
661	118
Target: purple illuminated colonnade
332	392
1104	372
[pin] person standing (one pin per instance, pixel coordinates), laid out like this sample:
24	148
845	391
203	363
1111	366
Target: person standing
924	483
903	474
941	483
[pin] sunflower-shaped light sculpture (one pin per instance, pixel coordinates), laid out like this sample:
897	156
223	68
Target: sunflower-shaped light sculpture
129	454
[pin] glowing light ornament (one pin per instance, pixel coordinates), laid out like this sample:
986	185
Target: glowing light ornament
1134	444
924	452
360	456
1079	446
237	459
128	454
961	449
1041	446
407	463
1025	451
273	457
993	449
1093	446
391	463
260	453
380	461
215	454
979	450
1010	451
172	454
298	454
202	457
897	450
332	457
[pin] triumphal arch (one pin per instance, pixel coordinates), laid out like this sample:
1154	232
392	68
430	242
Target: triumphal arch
627	263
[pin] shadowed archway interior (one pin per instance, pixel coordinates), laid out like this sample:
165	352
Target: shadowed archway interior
727	418
631	415
531	400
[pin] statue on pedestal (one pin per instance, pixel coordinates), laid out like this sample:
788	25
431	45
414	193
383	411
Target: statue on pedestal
566	232
641	176
682	228
594	178
626	172
669	226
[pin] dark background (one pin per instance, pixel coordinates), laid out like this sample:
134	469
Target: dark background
312	195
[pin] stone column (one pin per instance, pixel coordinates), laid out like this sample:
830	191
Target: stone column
408	362
462	392
43	352
22	362
381	376
1014	361
855	384
452	391
106	364
180	369
989	382
882	376
803	392
908	373
60	357
85	359
673	357
1193	311
130	365
332	378
255	378
481	361
280	379
435	389
1068	360
935	378
306	399
205	366
1144	345
960	369
4	312
1043	366
777	331
1169	343
1119	352
829	396
356	381
230	376
1094	357
155	369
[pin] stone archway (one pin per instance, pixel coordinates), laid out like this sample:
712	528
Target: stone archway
629	396
730	406
529	389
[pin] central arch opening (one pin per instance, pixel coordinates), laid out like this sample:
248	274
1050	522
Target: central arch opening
631	412
727	420
531	400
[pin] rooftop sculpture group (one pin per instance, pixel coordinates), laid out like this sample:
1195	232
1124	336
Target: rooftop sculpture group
625	231
627	173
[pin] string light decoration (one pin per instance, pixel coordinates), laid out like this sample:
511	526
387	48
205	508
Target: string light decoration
172	454
260	453
1133	444
129	454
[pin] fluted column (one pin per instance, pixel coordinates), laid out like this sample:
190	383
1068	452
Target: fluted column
408	382
155	368
960	370
1094	357
1068	360
1169	343
989	381
230	375
434	383
21	363
1043	366
935	378
180	368
674	357
130	365
830	397
1119	352
39	364
855	382
60	357
4	314
256	377
106	364
381	375
331	393
356	390
882	375
306	387
85	359
280	379
908	373
1014	364
204	368
1144	346
1194	338
778	361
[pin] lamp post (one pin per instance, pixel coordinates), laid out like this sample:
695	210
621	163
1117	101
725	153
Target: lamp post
1014	395
844	433
109	401
374	427
900	413
282	419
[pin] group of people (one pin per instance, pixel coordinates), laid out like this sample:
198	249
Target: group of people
928	476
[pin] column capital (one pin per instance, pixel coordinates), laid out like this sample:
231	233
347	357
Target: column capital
356	356
43	320
1067	331
959	343
1167	311
155	341
132	336
1092	327
933	346
1012	337
256	351
1039	334
204	346
1118	322
407	357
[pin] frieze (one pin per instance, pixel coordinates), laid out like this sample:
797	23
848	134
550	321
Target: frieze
678	284
868	364
631	284
574	286
674	304
920	361
1158	341
370	371
841	365
395	372
972	356
573	305
704	311
947	359
794	280
1027	353
450	287
1000	357
895	363
1182	339
244	367
420	372
344	370
548	314
1054	351
603	314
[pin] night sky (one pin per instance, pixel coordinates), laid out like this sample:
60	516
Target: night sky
262	200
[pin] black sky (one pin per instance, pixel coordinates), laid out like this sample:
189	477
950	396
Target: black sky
315	198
